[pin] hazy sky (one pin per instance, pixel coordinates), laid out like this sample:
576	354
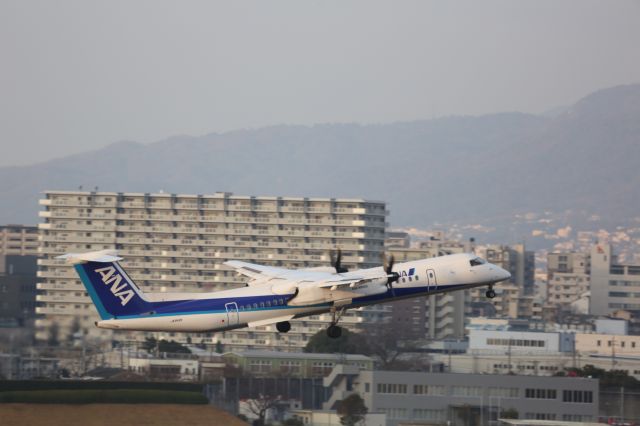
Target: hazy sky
78	75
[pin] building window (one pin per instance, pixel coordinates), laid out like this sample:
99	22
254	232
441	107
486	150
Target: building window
540	393
290	367
466	390
397	388
577	396
504	392
260	366
431	390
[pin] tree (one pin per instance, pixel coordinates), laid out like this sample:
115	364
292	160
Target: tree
75	328
260	405
54	332
150	344
352	410
510	413
387	342
348	343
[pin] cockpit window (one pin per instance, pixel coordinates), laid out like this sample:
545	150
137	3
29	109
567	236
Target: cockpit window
477	261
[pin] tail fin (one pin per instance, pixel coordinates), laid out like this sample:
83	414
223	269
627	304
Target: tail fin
112	291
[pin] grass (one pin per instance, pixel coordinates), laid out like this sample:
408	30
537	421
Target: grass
115	414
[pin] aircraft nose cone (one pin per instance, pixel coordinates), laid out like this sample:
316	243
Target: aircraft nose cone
504	274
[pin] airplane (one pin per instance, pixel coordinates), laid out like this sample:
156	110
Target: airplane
273	295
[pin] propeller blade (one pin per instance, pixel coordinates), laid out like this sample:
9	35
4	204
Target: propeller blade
387	266
336	261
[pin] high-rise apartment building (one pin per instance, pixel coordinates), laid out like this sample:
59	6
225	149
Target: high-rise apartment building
567	277
19	240
514	297
613	286
18	251
174	243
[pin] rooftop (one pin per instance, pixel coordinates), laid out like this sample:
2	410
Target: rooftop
298	355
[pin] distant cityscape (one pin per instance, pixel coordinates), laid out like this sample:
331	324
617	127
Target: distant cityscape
568	307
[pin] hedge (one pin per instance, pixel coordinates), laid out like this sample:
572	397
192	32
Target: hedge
27	385
110	396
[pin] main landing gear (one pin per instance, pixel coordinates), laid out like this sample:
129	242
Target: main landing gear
334	330
490	293
283	326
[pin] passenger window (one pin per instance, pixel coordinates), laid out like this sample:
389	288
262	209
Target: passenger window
410	279
403	280
255	306
262	304
417	278
268	304
281	301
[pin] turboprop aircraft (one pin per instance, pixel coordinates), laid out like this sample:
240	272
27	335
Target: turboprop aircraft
272	294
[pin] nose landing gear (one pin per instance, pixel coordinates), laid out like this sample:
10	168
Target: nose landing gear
334	330
490	293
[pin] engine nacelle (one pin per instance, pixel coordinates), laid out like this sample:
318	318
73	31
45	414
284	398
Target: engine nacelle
312	294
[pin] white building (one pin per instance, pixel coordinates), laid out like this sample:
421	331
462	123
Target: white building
567	277
174	243
331	418
167	367
613	286
491	339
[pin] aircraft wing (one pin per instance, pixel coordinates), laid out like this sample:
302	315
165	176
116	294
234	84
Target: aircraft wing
254	271
292	278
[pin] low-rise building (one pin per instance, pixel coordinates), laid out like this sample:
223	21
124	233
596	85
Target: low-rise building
495	340
456	399
608	344
331	418
293	364
26	367
181	367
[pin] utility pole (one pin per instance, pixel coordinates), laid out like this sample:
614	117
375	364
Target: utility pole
509	356
622	403
613	353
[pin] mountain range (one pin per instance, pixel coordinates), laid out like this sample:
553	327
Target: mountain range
585	157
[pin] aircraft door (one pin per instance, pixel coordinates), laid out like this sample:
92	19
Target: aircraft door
432	283
233	317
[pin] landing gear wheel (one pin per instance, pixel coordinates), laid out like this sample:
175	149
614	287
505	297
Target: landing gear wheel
283	326
490	293
334	331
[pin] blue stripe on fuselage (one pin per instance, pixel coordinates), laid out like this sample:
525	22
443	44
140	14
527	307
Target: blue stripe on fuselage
246	303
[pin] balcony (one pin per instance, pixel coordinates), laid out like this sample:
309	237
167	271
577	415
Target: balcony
62	299
66	287
46	310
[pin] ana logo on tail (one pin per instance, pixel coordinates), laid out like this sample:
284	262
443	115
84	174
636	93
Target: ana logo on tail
120	290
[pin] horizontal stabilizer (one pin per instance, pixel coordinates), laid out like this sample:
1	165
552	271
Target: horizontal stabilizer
102	256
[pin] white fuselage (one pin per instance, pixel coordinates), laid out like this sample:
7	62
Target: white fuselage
266	302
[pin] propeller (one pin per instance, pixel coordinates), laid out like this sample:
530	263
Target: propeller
388	268
336	261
